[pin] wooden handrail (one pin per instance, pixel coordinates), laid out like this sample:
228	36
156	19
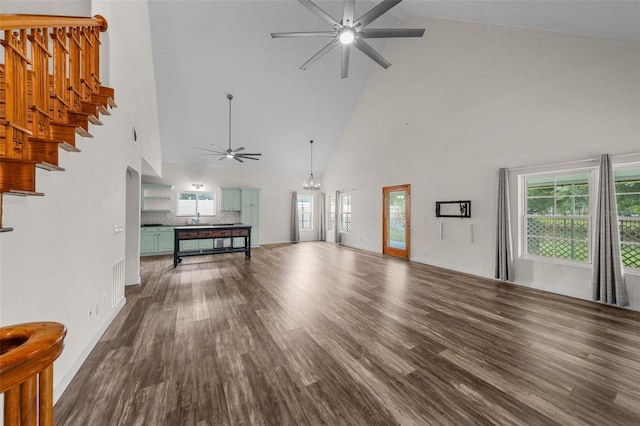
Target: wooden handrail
25	22
27	352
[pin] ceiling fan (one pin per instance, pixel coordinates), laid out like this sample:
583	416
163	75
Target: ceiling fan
350	32
229	153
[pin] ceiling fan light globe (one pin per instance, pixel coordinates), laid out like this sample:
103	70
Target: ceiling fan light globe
229	155
346	36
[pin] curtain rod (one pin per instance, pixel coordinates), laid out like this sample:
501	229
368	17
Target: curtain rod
565	163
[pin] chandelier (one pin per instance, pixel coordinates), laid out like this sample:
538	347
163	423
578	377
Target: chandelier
311	184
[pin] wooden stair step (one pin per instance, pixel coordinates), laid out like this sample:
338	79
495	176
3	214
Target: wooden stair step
67	147
49	167
19	193
17	175
109	92
43	151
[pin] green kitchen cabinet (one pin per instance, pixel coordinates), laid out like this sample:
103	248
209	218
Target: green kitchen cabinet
250	213
230	199
156	240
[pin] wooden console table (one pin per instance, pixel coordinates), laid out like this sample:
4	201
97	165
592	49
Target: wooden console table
184	233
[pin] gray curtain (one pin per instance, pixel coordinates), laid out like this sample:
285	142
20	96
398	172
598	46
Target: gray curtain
608	282
504	264
338	214
323	217
295	220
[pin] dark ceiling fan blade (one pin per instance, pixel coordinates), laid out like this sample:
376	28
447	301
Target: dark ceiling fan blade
371	52
222	158
320	13
305	34
346	50
347	12
237	159
218	148
246	154
391	32
321	53
238	149
376	12
208	150
248	158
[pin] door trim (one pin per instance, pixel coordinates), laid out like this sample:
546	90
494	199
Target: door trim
407	206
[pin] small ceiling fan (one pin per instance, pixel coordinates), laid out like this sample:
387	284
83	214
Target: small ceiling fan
350	32
229	153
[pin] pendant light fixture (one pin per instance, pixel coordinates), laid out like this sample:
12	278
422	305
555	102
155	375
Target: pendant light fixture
311	184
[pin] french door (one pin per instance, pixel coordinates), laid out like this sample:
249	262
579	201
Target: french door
396	220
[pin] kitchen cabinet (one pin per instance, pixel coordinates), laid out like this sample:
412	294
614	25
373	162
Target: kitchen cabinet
231	199
195	245
250	213
155	197
156	240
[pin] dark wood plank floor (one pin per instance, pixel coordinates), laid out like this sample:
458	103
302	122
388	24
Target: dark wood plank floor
313	333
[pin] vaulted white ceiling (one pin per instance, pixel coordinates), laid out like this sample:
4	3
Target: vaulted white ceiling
204	50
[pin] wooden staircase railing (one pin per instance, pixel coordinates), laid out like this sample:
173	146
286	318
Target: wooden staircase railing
27	352
50	90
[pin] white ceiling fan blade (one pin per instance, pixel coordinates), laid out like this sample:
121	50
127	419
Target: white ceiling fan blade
376	12
321	53
208	150
346	50
305	34
371	52
347	12
320	13
391	32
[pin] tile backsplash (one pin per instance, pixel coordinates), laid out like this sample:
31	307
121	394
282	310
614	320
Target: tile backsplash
169	218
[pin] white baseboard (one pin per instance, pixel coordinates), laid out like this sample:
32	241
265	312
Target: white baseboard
135	281
62	386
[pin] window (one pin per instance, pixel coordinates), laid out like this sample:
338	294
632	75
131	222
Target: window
345	214
305	209
196	204
556	220
628	200
332	213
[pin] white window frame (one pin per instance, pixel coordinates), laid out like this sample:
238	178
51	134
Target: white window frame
301	213
591	173
343	214
198	211
628	166
332	213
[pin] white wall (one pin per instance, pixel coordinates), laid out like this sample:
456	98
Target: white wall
465	100
275	194
58	261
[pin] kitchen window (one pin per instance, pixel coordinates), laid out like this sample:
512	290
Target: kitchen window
196	204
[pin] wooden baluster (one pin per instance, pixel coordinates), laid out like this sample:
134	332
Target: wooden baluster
74	69
39	82
12	406
29	402
59	75
16	122
45	393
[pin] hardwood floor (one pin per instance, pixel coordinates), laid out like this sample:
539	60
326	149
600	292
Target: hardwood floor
313	333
